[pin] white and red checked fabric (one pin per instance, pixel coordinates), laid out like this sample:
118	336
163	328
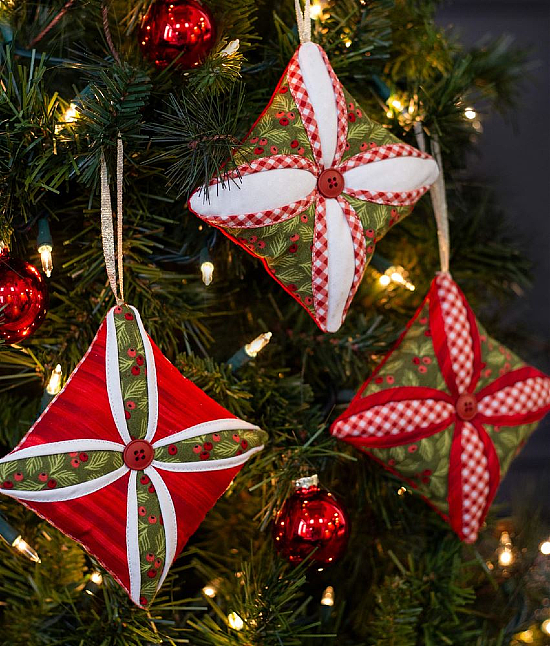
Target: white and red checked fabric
476	411
330	309
457	331
475	481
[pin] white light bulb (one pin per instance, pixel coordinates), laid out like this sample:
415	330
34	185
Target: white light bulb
96	577
71	113
396	103
231	48
328	596
315	11
545	626
209	590
384	280
258	344
235	621
470	113
23	547
207	270
505	557
545	548
54	385
45	252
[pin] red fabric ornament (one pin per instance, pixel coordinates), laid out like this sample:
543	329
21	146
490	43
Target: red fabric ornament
177	28
311	518
23	298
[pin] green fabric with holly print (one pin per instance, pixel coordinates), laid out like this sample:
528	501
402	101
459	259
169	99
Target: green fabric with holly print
286	247
151	541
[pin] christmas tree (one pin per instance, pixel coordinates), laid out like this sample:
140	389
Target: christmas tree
152	100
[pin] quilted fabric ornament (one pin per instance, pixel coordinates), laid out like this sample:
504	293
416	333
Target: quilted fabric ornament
129	456
447	409
314	186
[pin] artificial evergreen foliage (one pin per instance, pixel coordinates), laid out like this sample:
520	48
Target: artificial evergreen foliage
406	579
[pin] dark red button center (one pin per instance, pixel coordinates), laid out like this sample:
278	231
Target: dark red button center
330	183
138	454
466	407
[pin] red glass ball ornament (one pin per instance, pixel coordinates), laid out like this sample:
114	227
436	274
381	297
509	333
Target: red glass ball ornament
311	518
174	27
23	298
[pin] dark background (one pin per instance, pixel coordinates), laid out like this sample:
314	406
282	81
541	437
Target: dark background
515	158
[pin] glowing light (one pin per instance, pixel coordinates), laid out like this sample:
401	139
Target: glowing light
396	103
235	621
389	114
71	113
258	344
328	596
384	280
401	491
231	48
545	548
45	252
526	636
545	626
207	270
470	113
395	275
23	547
54	385
505	557
96	577
209	590
347	42
315	11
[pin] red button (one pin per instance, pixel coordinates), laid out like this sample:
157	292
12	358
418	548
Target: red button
466	407
138	454
330	183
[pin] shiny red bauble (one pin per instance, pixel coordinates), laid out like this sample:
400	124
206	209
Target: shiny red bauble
311	518
173	28
23	298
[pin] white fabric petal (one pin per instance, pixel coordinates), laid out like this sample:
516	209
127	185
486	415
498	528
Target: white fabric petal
152	390
132	539
67	446
321	96
214	426
112	376
261	191
169	518
398	174
60	494
207	465
341	263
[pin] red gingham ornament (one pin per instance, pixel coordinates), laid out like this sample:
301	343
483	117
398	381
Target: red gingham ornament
480	416
247	215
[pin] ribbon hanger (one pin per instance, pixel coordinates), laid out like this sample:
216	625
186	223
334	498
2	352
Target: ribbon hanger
438	196
113	259
303	20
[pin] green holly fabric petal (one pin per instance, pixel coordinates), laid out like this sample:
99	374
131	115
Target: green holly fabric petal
45	472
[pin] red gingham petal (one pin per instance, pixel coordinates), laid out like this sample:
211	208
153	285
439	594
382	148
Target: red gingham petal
522	398
359	245
341	109
475	481
319	263
458	332
301	98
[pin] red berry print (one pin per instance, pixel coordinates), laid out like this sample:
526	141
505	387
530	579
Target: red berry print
7	484
347	145
152	574
283	90
142	511
351	106
136	371
263	141
369	233
351	117
292	287
130	404
422	369
284	121
144	479
150	557
73	454
487	373
18	476
358	113
390	379
239	452
379	380
301	150
426	360
236	437
52	483
158	563
364	146
42	477
83	457
391	462
291	115
129	316
274	150
413	448
370	249
197	448
132	352
254	140
151	489
280	114
208	446
293	248
140	360
127	414
152	519
143	601
294	237
304	218
372	144
416	361
258	150
427	472
253	239
482	338
172	449
118	309
244	444
427	333
423	320
204	455
216	437
75	463
294	143
261	244
308	300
